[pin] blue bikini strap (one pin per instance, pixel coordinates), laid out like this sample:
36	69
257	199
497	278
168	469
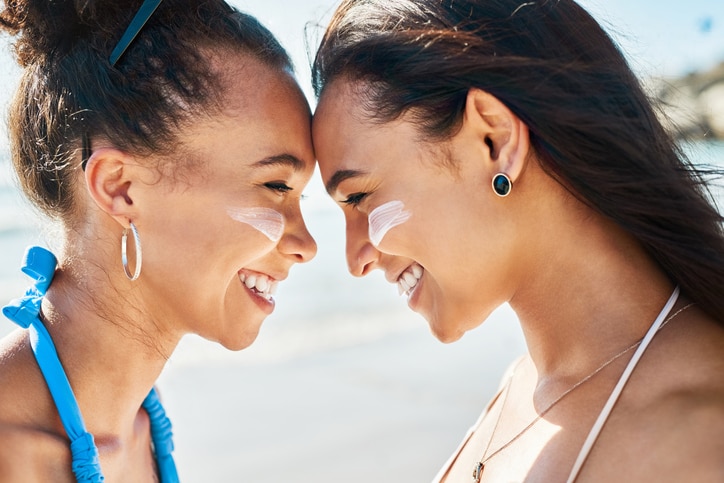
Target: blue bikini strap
162	438
39	264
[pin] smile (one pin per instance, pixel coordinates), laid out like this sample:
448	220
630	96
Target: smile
260	284
407	281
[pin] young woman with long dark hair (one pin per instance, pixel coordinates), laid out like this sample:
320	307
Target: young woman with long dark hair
497	151
171	142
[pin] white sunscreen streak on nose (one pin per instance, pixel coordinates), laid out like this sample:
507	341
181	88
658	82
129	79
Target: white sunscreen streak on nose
385	217
267	221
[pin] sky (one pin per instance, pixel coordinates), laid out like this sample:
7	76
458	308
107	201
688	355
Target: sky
661	37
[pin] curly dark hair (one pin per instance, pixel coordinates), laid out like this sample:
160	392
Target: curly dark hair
69	88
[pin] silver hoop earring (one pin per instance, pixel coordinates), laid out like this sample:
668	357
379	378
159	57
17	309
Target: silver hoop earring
124	255
502	185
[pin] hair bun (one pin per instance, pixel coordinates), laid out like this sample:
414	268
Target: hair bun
45	27
42	27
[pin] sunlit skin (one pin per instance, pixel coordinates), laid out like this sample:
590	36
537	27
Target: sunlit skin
376	164
582	288
255	153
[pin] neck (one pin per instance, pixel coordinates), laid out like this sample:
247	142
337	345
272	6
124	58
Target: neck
110	348
588	293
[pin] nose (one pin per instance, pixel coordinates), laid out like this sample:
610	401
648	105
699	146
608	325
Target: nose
362	256
296	241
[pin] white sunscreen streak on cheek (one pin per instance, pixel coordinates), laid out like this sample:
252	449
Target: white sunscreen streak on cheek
267	221
385	217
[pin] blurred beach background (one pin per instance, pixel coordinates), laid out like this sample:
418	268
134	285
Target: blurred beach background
345	383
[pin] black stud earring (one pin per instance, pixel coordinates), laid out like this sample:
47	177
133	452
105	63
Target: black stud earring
502	184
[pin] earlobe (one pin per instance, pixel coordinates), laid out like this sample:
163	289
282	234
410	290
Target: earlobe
108	179
505	137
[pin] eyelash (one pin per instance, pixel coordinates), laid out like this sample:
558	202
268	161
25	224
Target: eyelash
354	199
279	187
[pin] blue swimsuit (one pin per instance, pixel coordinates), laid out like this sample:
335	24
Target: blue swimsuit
40	265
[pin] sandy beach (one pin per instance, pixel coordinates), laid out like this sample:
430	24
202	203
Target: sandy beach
388	410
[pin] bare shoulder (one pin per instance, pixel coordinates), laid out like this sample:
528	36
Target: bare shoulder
28	455
31	449
674	415
21	380
680	436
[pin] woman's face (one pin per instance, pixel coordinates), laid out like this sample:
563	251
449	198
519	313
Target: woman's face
218	236
422	212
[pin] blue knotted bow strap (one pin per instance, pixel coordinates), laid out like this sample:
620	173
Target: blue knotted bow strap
39	264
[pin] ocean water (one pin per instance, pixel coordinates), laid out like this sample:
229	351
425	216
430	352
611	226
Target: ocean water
320	306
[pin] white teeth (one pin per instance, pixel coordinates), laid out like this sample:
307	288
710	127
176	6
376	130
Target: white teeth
405	287
417	271
250	281
262	284
259	284
409	278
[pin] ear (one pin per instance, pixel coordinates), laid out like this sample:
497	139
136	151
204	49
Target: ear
110	174
504	136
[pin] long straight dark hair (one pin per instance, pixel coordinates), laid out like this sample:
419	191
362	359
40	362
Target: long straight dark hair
551	63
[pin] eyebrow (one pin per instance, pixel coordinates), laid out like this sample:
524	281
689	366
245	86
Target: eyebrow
281	160
340	176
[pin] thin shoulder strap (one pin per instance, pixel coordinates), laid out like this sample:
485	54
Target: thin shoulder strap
616	393
40	264
162	437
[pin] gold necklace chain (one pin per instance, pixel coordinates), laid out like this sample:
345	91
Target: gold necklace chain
480	465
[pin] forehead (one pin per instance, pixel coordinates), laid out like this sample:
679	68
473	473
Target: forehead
262	114
254	91
346	139
338	110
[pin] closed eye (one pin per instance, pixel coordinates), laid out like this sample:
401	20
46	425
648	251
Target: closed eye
278	187
354	199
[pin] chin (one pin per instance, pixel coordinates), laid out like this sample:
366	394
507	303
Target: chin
447	338
444	332
237	342
449	329
236	346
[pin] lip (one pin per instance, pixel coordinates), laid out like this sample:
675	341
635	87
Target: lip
266	305
273	277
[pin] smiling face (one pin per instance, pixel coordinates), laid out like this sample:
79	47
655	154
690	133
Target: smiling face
219	235
424	213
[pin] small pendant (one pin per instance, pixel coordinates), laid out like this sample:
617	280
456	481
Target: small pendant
478	472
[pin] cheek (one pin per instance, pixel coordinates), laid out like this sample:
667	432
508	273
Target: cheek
385	217
267	221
